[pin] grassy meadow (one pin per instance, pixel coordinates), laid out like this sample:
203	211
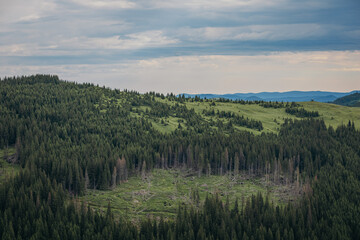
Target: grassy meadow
161	193
271	118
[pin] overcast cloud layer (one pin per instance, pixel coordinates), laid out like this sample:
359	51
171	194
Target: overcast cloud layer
189	46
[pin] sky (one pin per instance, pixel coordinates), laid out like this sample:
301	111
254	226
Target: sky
185	46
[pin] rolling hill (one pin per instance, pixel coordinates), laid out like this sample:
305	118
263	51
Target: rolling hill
352	100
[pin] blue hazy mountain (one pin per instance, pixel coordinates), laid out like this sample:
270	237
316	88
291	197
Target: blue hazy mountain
291	96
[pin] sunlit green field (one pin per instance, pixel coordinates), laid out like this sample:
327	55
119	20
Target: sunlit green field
271	118
335	115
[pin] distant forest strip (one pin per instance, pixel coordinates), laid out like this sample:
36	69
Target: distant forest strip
235	119
69	138
301	112
279	104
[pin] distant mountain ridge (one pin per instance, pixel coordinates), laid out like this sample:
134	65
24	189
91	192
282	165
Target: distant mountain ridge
291	96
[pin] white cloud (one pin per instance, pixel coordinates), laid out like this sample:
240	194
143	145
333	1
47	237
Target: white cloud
31	17
145	39
25	10
109	4
211	4
253	32
140	40
81	45
238	5
23	49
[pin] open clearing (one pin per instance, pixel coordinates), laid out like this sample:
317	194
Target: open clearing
163	191
7	169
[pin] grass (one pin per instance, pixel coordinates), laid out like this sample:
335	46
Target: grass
271	118
161	193
253	111
7	169
335	115
169	124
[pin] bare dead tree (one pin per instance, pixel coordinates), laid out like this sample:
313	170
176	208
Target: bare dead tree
87	181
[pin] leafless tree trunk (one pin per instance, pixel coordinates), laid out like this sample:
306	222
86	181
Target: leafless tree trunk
17	147
143	170
87	181
121	170
236	164
162	161
297	178
113	178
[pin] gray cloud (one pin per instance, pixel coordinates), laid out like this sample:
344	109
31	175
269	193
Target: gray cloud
44	34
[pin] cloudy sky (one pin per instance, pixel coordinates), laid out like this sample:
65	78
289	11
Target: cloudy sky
193	46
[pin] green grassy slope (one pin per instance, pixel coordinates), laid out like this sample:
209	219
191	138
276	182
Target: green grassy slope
271	118
335	115
162	191
266	115
332	114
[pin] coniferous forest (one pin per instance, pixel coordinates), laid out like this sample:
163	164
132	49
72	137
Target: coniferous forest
71	137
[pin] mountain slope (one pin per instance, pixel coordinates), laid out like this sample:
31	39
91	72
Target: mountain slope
352	100
79	145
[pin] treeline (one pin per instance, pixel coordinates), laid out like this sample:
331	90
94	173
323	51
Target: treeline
33	207
301	112
235	119
279	104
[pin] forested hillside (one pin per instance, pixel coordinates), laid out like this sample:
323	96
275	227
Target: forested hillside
68	138
352	100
